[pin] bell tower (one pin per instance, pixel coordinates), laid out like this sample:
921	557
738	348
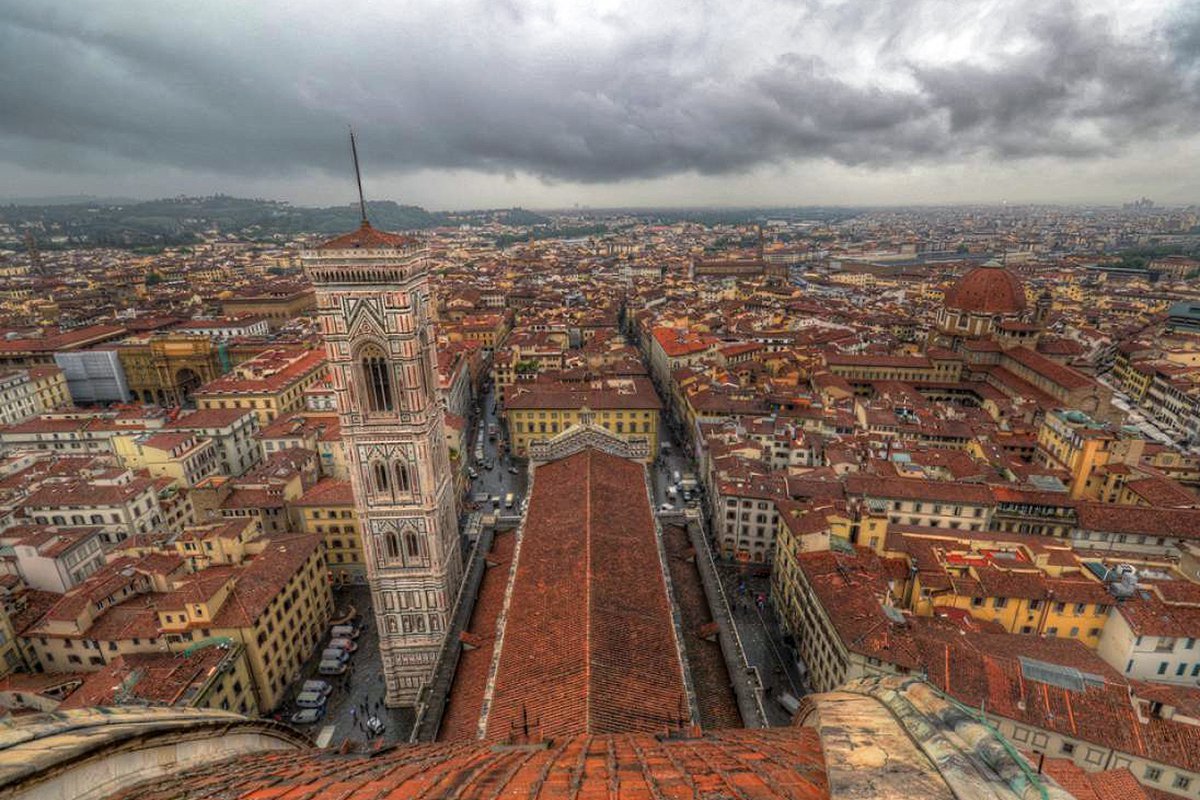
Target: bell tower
373	310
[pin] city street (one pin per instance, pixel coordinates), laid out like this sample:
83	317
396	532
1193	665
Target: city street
762	639
359	692
497	481
362	684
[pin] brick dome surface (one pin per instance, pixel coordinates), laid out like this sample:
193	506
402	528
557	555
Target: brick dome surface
989	289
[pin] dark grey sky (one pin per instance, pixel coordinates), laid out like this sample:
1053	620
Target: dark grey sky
467	103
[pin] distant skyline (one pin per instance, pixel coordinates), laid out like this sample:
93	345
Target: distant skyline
497	103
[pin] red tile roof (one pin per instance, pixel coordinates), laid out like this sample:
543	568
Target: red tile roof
589	644
770	764
367	237
461	718
987	290
327	492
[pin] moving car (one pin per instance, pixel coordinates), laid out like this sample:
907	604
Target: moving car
323	688
307	716
310	700
344	644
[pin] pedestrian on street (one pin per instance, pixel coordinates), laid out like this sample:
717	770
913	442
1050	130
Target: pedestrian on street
353	713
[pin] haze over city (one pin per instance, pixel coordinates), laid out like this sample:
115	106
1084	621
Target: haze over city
476	103
787	400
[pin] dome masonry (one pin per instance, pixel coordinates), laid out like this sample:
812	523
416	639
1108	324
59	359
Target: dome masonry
988	289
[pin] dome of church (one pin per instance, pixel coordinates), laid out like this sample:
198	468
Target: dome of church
988	289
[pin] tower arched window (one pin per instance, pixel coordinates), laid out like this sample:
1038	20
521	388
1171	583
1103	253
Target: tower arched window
392	546
403	482
377	379
411	545
380	473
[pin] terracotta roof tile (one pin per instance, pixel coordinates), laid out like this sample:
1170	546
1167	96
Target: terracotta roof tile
589	642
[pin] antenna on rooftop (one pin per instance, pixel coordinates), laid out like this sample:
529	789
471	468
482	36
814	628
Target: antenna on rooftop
362	203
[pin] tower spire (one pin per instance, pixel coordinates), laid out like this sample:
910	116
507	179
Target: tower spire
362	203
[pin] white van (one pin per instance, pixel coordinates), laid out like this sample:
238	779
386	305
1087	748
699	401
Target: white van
343	632
334	654
509	499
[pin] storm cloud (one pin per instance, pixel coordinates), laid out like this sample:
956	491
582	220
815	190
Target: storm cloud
588	92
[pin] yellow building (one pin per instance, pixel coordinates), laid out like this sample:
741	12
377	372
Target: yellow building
10	652
1134	377
213	673
280	303
167	368
319	432
50	385
628	407
272	383
1075	442
487	330
1026	585
328	510
185	458
276	603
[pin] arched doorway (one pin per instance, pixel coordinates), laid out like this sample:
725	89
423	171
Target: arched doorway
187	381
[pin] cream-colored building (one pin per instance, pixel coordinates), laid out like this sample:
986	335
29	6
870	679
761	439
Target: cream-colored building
272	383
268	594
183	457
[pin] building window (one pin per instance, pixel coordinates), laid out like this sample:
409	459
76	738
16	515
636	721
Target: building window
376	379
381	476
402	480
1067	748
1181	782
1152	774
392	545
411	545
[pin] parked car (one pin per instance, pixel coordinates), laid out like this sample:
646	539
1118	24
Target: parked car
375	725
331	667
324	688
307	716
335	654
471	471
666	507
513	470
344	644
344	632
310	700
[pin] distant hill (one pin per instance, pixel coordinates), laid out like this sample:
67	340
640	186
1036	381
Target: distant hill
66	199
186	220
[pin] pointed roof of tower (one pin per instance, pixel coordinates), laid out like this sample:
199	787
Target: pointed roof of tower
367	237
